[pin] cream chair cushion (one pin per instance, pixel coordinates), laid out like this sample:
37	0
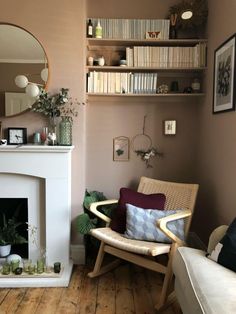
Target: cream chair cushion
115	239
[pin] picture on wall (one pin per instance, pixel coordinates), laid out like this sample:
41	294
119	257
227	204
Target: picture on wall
170	127
224	76
121	148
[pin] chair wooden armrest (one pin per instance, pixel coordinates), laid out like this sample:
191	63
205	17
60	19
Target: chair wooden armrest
93	209
161	223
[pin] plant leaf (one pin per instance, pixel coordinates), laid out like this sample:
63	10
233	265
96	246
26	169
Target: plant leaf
84	224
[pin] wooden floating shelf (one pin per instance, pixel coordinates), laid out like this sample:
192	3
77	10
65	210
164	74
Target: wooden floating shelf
134	69
148	95
143	42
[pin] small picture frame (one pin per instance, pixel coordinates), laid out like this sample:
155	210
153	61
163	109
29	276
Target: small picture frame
224	76
170	127
121	146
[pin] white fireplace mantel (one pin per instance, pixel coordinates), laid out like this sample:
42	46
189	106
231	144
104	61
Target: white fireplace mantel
43	175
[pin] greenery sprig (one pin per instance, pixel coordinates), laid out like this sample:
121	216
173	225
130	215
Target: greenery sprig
56	105
9	233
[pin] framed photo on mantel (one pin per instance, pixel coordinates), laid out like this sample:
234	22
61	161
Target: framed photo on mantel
224	76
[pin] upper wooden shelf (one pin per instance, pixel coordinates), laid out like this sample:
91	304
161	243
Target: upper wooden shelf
144	69
143	42
148	95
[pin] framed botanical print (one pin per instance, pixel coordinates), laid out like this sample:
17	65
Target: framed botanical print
121	148
224	76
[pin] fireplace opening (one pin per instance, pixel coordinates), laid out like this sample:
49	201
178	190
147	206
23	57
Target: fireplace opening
18	208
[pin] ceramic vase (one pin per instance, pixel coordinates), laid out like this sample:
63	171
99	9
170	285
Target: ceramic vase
65	131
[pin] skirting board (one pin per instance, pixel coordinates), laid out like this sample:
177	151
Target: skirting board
77	252
195	242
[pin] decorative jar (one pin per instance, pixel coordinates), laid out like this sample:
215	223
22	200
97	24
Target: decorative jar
65	131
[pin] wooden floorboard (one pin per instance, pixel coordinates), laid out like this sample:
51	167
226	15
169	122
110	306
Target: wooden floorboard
128	289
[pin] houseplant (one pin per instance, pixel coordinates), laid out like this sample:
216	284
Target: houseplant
9	235
88	221
58	105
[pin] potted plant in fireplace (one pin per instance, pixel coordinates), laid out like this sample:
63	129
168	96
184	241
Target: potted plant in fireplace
9	235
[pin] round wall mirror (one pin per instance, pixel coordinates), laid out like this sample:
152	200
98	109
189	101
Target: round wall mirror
20	54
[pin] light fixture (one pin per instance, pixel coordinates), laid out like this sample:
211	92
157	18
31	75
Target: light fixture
187	14
21	81
31	88
192	15
44	74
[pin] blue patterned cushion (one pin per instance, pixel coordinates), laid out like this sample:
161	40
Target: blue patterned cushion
141	224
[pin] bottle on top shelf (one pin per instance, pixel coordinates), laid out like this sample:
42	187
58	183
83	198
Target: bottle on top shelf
90	29
98	30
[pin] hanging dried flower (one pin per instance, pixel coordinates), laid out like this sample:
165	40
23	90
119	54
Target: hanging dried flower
147	155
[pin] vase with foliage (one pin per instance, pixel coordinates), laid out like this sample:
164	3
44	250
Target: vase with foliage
9	234
55	106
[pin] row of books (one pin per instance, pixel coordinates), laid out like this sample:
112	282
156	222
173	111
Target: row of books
164	57
131	28
121	83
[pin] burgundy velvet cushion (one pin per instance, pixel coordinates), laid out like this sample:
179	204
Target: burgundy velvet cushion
128	196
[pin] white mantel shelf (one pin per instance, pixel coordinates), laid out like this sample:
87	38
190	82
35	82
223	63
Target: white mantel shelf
36	148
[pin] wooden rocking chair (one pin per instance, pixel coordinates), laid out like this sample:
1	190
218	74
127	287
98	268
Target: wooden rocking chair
178	196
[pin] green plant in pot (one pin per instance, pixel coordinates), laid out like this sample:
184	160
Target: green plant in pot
9	235
88	221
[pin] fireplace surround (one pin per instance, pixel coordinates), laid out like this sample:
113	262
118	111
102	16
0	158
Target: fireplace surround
42	174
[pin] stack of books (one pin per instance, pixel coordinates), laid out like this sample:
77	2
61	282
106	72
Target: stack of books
131	28
122	83
167	57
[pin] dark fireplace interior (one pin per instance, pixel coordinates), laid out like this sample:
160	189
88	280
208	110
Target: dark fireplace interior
18	208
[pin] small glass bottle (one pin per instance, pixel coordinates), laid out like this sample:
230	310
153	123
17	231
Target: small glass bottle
98	31
196	86
89	29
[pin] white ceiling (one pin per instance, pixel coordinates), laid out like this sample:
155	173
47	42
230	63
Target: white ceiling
19	46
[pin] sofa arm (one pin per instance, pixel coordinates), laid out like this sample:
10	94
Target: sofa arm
93	209
215	237
161	223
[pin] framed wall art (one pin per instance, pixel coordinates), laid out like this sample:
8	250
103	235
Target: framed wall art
121	148
170	127
224	76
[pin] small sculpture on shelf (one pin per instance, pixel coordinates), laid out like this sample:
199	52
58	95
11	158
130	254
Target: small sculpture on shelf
162	89
173	29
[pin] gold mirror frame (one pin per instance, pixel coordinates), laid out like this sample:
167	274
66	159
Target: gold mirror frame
21	53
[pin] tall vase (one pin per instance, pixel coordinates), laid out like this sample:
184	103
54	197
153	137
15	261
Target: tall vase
52	131
65	131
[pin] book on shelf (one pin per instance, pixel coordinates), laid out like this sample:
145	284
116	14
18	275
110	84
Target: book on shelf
167	57
121	83
131	28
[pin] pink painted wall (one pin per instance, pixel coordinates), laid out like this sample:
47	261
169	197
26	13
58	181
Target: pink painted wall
217	136
59	26
203	149
111	117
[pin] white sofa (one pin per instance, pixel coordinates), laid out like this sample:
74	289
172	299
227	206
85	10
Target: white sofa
202	285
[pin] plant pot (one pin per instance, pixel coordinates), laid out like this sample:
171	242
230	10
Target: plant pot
5	250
